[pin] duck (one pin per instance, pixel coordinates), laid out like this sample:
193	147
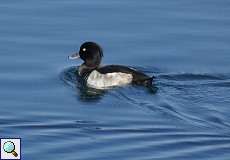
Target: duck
98	76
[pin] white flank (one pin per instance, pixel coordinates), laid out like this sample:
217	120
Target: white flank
103	81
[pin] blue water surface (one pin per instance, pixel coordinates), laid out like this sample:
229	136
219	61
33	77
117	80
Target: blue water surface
185	44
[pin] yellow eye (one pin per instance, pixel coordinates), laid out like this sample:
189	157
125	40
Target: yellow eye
84	49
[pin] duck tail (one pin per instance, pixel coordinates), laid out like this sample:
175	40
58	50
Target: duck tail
148	82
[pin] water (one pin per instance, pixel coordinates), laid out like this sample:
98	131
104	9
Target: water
185	44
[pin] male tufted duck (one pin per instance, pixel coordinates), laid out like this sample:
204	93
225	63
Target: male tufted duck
103	77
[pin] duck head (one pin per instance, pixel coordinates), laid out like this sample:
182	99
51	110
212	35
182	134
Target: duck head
91	53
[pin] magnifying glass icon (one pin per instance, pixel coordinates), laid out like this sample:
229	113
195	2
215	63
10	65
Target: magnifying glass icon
9	147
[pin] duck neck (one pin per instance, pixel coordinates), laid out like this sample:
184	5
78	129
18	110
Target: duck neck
84	69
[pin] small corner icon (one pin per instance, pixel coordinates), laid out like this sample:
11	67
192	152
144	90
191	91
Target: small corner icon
10	149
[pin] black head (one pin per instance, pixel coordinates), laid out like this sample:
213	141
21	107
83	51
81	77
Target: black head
91	53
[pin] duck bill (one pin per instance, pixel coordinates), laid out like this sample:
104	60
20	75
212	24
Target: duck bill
74	56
